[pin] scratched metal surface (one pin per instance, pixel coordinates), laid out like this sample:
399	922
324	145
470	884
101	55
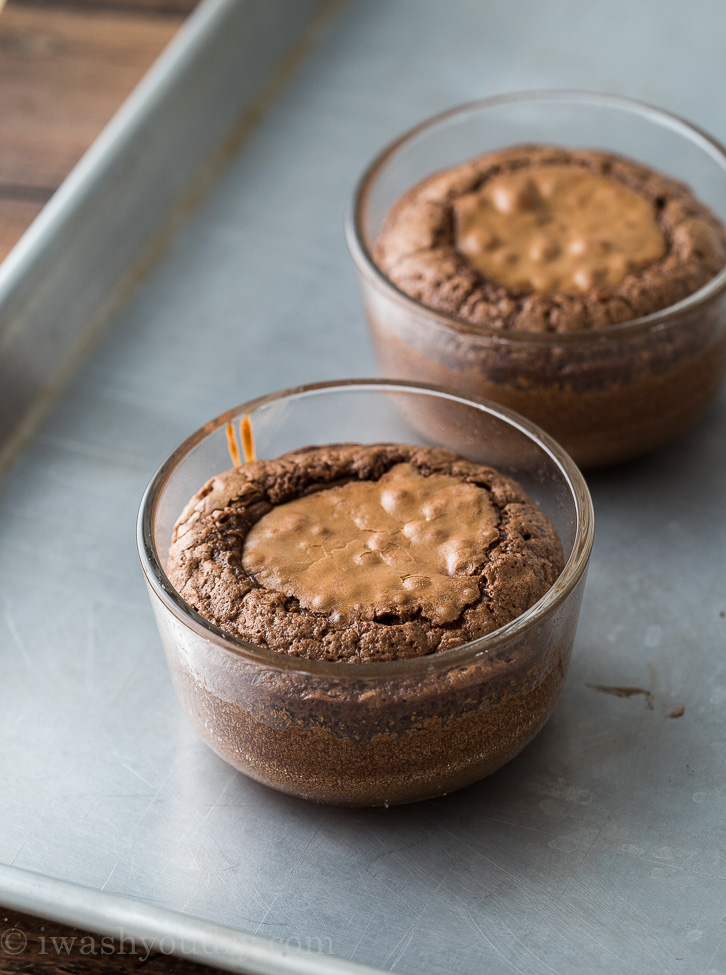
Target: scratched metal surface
603	847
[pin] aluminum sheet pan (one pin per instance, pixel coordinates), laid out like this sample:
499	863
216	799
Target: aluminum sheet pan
103	229
601	848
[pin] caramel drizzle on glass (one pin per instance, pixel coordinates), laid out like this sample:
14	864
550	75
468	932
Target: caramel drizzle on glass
248	438
248	442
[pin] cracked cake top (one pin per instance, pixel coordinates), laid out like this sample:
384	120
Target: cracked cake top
362	553
539	238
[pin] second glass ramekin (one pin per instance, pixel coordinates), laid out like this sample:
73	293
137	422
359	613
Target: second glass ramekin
608	394
392	732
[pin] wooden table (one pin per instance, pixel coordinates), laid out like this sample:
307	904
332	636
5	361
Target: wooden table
65	67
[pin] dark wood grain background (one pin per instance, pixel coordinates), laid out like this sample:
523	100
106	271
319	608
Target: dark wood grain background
65	67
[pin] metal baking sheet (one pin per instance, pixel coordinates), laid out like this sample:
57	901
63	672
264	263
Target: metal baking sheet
601	848
102	231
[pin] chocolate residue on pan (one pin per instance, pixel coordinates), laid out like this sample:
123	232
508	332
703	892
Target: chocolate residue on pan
678	711
626	692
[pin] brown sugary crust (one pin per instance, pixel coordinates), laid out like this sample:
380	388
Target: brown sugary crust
205	557
416	249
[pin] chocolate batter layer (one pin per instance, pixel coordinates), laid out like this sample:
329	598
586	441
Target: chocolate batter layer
374	743
252	546
424	248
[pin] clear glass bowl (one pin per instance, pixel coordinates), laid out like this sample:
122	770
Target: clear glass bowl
391	732
606	395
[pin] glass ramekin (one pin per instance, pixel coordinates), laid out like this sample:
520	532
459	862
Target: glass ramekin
391	732
606	395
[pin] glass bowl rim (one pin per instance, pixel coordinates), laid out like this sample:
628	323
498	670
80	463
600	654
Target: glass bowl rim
658	320
172	601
